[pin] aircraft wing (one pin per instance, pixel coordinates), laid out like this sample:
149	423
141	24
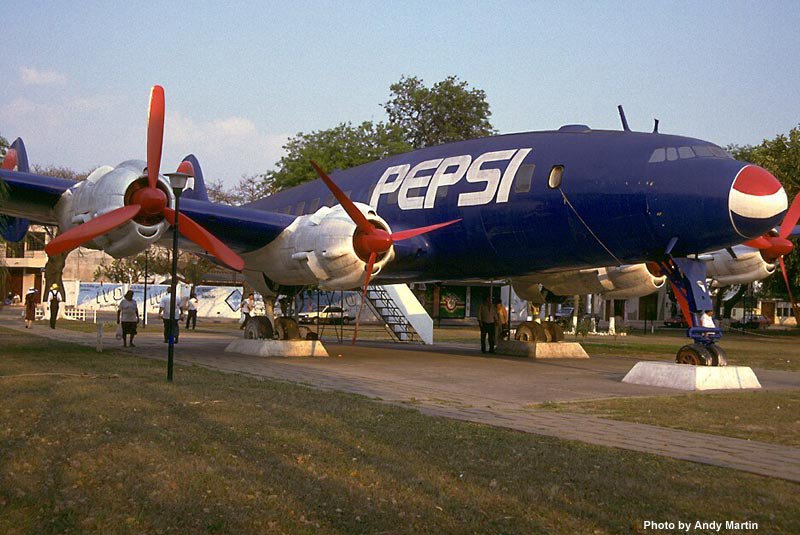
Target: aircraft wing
37	198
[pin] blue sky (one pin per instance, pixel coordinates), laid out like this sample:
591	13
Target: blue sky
240	77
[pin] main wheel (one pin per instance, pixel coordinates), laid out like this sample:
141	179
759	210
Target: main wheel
718	356
530	331
694	354
553	331
258	328
287	329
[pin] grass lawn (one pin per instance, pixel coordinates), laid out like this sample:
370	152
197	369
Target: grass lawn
100	443
772	416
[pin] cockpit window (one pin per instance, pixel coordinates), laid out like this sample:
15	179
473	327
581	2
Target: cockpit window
720	152
659	155
670	154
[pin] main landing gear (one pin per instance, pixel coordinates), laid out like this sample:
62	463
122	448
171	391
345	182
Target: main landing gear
688	280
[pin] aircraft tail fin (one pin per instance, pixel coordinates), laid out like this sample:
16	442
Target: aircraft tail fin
14	229
198	190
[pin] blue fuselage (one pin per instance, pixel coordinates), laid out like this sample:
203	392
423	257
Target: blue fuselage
623	197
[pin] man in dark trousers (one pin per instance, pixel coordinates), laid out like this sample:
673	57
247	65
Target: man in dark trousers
54	299
487	319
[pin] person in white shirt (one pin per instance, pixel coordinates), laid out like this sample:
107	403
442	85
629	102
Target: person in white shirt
128	317
707	320
191	311
248	306
54	300
170	318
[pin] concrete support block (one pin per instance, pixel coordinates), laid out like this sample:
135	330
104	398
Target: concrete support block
687	377
541	350
560	350
278	348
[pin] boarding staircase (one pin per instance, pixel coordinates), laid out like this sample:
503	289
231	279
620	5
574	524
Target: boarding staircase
403	316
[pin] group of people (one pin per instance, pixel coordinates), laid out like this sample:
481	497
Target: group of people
128	316
53	298
492	319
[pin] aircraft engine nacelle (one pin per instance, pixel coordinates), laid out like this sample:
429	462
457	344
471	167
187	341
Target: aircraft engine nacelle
106	189
616	282
748	266
317	249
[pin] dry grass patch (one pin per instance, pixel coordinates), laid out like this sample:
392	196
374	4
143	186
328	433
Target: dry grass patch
108	446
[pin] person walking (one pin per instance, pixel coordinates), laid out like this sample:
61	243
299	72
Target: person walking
248	306
31	300
54	300
170	317
487	319
128	316
191	311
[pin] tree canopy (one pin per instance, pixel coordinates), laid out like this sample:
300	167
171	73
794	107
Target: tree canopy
341	147
448	111
781	157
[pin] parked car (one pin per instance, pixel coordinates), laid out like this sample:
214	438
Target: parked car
565	312
329	314
753	321
677	322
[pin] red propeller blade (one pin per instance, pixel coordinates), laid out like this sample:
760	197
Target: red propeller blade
155	134
370	263
758	243
93	228
355	214
205	239
410	233
10	161
790	219
789	288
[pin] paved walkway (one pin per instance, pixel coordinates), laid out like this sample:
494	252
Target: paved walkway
456	383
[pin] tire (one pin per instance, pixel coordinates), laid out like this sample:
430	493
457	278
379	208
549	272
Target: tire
258	328
694	355
718	356
287	329
553	331
530	331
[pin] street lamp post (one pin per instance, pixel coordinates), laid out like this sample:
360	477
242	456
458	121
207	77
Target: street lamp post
177	181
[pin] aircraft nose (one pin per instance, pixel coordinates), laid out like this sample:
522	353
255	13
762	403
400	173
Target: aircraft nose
756	201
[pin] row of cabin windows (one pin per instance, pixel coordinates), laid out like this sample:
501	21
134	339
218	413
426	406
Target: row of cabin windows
785	312
522	184
670	154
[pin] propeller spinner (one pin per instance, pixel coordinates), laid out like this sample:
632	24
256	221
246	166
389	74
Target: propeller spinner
148	201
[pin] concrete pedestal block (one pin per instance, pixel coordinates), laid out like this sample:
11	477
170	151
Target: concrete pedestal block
515	348
541	350
560	350
687	377
278	348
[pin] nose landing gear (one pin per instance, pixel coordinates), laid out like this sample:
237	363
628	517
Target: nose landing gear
688	280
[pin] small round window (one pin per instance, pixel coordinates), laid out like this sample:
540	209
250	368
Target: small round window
556	173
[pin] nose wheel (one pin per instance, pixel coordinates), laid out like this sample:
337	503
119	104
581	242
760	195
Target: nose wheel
699	354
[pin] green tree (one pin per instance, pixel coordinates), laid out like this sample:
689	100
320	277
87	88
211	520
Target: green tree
128	270
448	111
250	188
341	147
4	145
781	157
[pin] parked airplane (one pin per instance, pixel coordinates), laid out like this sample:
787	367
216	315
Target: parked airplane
530	207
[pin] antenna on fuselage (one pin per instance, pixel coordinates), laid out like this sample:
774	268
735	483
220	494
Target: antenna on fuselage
624	120
655	126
